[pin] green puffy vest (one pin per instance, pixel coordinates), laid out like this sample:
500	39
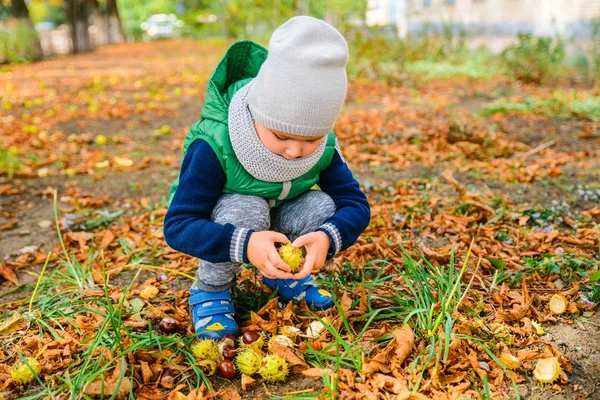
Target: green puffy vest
239	65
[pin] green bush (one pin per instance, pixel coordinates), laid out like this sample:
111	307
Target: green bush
533	58
379	54
17	44
474	68
560	105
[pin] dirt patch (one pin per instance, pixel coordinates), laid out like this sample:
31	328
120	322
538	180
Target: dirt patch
31	208
535	130
579	341
294	385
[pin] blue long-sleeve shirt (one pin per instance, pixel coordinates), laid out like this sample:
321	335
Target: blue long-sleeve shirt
188	227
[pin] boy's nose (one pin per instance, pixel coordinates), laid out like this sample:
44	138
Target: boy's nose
293	151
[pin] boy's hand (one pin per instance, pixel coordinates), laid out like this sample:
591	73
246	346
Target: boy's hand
317	245
264	256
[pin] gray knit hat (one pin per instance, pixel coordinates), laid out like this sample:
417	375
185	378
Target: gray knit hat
301	87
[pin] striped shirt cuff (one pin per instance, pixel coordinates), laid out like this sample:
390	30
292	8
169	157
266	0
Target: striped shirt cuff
239	245
334	237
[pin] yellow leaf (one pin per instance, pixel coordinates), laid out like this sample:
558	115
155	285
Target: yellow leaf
123	162
14	323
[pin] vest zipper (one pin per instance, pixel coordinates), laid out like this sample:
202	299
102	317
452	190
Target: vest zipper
285	190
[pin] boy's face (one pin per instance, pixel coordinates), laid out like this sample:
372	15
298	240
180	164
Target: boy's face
285	144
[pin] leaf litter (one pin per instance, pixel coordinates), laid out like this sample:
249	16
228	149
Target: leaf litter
446	282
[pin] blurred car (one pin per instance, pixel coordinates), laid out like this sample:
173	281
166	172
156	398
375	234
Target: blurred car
162	26
45	26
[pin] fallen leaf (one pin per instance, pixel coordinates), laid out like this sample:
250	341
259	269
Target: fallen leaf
8	273
405	341
109	387
146	372
80	237
14	323
229	394
176	395
149	393
247	381
9	225
317	372
411	396
123	162
292	356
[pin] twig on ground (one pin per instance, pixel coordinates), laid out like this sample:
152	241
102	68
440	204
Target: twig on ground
536	150
468	286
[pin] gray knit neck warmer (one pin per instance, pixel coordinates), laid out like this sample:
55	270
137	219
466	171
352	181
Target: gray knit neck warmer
254	156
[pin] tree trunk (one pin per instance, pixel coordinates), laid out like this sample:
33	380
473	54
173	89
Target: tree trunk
115	29
21	12
302	7
100	23
77	14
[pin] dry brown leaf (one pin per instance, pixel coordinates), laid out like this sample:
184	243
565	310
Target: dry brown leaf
347	375
405	341
146	372
393	355
317	372
389	383
411	396
229	394
176	395
528	354
247	381
8	273
9	225
109	387
80	237
454	378
345	303
138	324
292	356
149	393
374	366
196	393
516	313
107	239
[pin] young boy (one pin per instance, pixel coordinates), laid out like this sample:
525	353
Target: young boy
265	139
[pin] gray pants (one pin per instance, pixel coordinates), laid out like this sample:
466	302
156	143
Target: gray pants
293	218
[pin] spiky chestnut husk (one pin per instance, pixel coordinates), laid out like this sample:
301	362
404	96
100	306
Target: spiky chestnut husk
292	256
558	304
273	368
248	361
510	361
257	344
226	345
547	370
21	373
207	349
282	340
149	292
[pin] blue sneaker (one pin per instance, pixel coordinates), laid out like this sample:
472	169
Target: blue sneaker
305	288
212	314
